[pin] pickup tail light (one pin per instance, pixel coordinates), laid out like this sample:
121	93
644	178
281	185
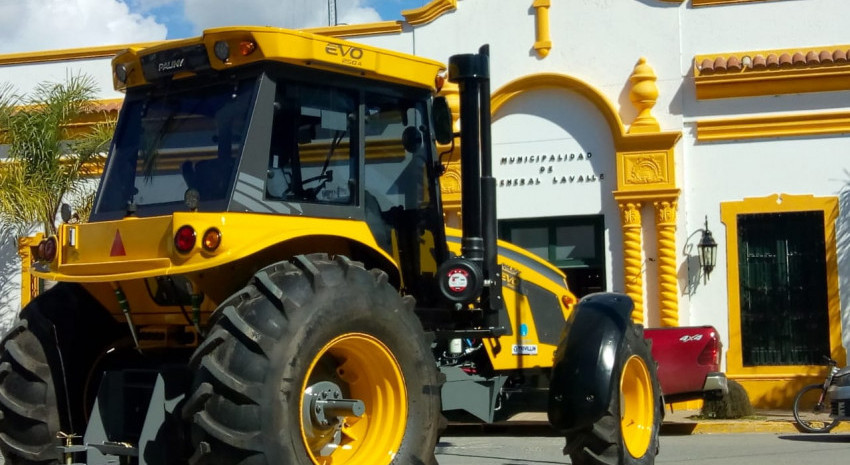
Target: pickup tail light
710	354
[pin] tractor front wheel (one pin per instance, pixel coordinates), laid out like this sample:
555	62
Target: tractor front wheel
315	362
627	434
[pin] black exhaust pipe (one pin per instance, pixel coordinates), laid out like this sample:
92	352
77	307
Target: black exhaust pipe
472	74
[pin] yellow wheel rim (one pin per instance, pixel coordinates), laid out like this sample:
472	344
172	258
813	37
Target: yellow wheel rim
365	370
637	407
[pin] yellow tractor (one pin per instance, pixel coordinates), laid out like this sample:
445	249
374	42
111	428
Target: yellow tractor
267	278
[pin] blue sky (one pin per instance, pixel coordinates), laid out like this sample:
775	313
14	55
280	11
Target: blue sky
173	14
33	25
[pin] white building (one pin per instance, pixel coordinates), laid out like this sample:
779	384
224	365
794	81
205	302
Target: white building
622	129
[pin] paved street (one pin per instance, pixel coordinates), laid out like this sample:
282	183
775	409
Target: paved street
696	449
534	446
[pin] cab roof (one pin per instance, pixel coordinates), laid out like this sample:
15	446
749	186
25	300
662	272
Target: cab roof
226	48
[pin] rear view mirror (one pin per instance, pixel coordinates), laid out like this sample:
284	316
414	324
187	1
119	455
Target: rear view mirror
442	120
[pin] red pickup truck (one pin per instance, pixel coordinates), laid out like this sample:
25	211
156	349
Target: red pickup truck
688	362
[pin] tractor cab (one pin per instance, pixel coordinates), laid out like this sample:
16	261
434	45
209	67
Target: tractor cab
209	131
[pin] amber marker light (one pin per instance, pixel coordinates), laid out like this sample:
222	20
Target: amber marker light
568	300
247	47
184	240
211	240
439	80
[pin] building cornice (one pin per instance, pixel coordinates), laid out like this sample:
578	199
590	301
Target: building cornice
774	126
354	30
772	72
84	53
429	12
715	2
722	2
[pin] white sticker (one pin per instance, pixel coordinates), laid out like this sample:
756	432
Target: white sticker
458	280
524	349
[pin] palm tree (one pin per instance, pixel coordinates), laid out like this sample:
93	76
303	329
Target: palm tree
49	162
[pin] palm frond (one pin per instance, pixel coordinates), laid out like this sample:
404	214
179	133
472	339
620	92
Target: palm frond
44	167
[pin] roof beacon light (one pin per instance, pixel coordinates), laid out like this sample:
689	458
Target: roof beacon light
222	50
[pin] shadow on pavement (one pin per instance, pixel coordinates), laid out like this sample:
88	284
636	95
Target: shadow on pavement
502	429
826	437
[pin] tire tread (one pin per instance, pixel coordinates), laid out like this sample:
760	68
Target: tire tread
229	413
601	444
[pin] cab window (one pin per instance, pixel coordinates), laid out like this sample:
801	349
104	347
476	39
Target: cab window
311	157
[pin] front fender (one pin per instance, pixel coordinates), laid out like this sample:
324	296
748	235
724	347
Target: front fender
580	391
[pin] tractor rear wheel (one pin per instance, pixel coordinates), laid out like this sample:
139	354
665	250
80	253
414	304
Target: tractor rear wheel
627	434
45	368
30	414
316	361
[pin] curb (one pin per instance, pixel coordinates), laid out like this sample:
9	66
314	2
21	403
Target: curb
739	426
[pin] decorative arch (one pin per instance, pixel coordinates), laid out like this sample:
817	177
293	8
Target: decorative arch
531	82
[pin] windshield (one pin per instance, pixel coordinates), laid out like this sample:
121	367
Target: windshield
173	143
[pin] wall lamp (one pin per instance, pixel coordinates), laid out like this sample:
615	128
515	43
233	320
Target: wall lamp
707	252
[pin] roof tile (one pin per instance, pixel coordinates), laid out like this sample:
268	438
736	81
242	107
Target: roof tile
771	60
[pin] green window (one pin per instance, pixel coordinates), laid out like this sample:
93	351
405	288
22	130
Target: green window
784	314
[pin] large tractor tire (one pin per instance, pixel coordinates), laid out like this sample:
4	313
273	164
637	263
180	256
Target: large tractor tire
45	365
30	413
627	434
315	362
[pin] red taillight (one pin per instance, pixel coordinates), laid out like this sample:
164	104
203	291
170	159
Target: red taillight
185	238
47	250
568	300
710	354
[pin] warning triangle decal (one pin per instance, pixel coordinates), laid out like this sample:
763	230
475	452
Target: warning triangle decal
117	246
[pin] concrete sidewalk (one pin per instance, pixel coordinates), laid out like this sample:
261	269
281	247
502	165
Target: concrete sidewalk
762	421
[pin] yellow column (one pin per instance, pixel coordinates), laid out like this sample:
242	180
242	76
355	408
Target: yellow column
665	230
630	218
544	41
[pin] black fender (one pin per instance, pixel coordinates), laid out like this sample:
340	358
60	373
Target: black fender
580	389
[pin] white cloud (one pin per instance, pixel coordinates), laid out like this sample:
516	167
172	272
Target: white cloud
32	25
280	13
